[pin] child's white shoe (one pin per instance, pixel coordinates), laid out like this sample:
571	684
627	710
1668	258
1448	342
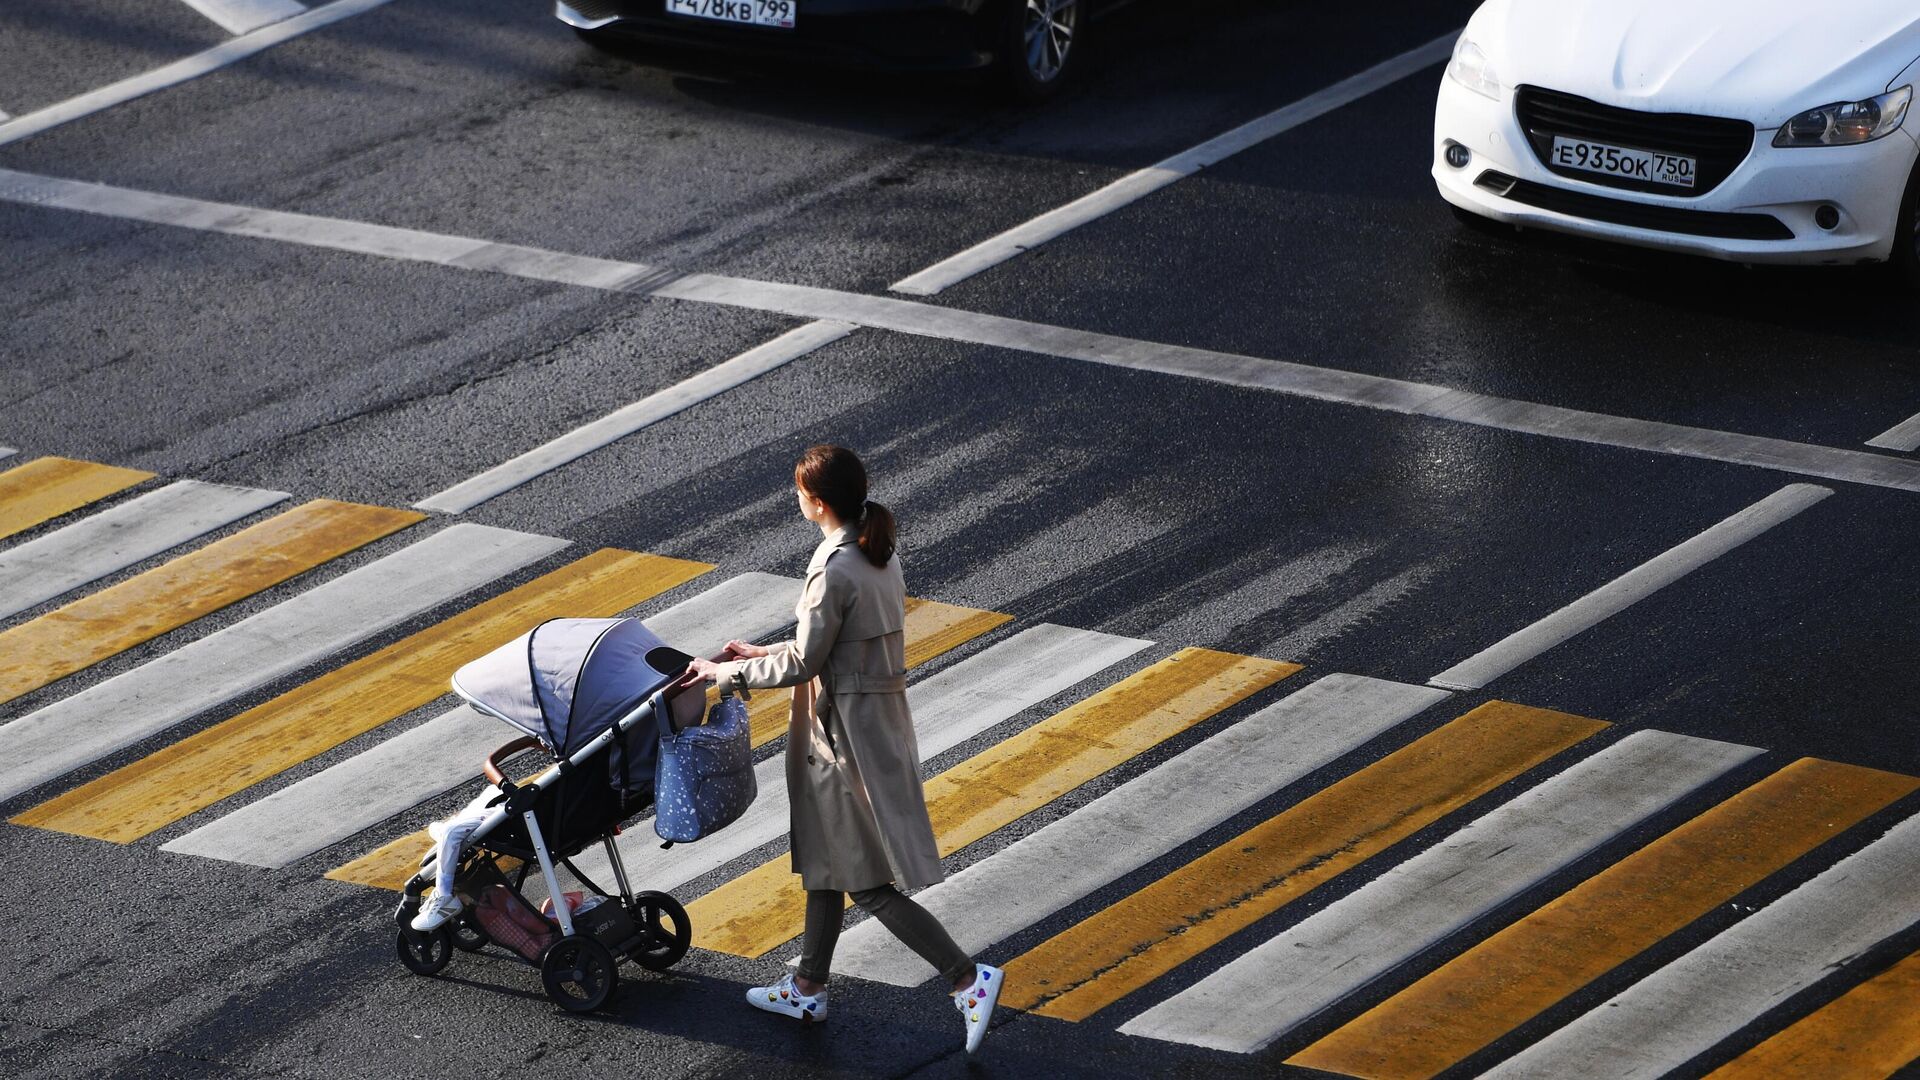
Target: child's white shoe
435	910
976	1002
786	999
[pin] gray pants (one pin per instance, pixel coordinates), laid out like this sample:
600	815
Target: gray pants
914	925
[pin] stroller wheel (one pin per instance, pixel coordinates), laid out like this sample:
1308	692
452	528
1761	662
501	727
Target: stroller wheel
467	934
665	931
425	954
579	973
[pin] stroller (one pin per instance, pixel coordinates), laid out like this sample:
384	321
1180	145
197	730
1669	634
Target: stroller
586	690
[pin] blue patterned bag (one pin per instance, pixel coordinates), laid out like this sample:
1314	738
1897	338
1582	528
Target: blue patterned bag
704	779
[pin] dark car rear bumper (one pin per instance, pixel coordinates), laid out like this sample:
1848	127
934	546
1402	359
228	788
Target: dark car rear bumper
925	35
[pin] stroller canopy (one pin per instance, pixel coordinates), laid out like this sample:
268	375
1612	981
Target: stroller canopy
567	680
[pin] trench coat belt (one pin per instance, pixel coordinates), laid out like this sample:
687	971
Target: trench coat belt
853	682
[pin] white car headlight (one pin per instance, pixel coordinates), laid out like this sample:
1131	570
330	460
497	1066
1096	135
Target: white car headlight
1847	123
1470	69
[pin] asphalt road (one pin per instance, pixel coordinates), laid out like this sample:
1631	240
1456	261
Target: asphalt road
1180	510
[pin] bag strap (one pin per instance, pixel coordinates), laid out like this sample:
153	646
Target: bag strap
662	718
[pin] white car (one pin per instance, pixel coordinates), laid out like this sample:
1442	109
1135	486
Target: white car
1760	131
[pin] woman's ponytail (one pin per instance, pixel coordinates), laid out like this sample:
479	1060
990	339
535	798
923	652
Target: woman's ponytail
876	533
835	476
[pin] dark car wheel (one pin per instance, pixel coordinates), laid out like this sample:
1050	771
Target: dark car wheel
1905	264
1040	45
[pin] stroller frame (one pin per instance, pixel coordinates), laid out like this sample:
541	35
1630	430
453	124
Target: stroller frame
580	968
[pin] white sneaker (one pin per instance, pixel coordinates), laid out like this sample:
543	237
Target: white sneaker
976	1002
437	830
436	910
786	999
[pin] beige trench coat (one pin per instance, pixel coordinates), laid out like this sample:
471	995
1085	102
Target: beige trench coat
853	762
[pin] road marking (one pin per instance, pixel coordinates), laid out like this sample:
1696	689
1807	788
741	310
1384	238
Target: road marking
47	487
761	910
233	755
644	413
446	751
246	16
932	628
1287	979
1686	1007
114	539
1137	185
1143	819
192	67
1629	588
6	451
1142	937
948	708
947	324
1866	1034
169	596
1904	435
1605	921
127	708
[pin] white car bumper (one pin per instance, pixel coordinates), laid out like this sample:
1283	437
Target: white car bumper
1863	183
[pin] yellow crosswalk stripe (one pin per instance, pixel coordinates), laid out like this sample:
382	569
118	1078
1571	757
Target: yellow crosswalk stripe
1139	938
1868	1033
230	756
43	489
932	628
143	607
390	865
1604	921
764	907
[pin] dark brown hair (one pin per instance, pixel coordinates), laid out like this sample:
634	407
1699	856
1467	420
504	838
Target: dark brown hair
835	476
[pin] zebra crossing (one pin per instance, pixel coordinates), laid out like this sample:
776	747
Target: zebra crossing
1251	731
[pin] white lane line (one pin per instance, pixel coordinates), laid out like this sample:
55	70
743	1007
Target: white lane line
72	732
1025	237
1904	436
246	16
114	539
647	411
948	709
1686	1007
1287	979
1142	819
1629	588
794	345
7	451
445	752
192	67
926	320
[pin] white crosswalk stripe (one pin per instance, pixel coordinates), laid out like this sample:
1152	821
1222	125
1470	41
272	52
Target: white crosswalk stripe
948	709
1143	819
246	16
114	539
149	699
1287	979
446	751
1683	1009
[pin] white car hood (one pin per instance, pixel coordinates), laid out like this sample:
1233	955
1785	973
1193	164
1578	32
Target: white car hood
1759	60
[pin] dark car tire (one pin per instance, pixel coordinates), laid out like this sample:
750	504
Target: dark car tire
1031	65
1904	267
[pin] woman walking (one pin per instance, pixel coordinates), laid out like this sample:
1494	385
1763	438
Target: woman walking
853	765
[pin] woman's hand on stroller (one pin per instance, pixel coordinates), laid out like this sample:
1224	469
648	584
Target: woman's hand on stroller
746	649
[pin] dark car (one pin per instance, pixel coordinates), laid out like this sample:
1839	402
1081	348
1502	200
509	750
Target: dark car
1032	45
